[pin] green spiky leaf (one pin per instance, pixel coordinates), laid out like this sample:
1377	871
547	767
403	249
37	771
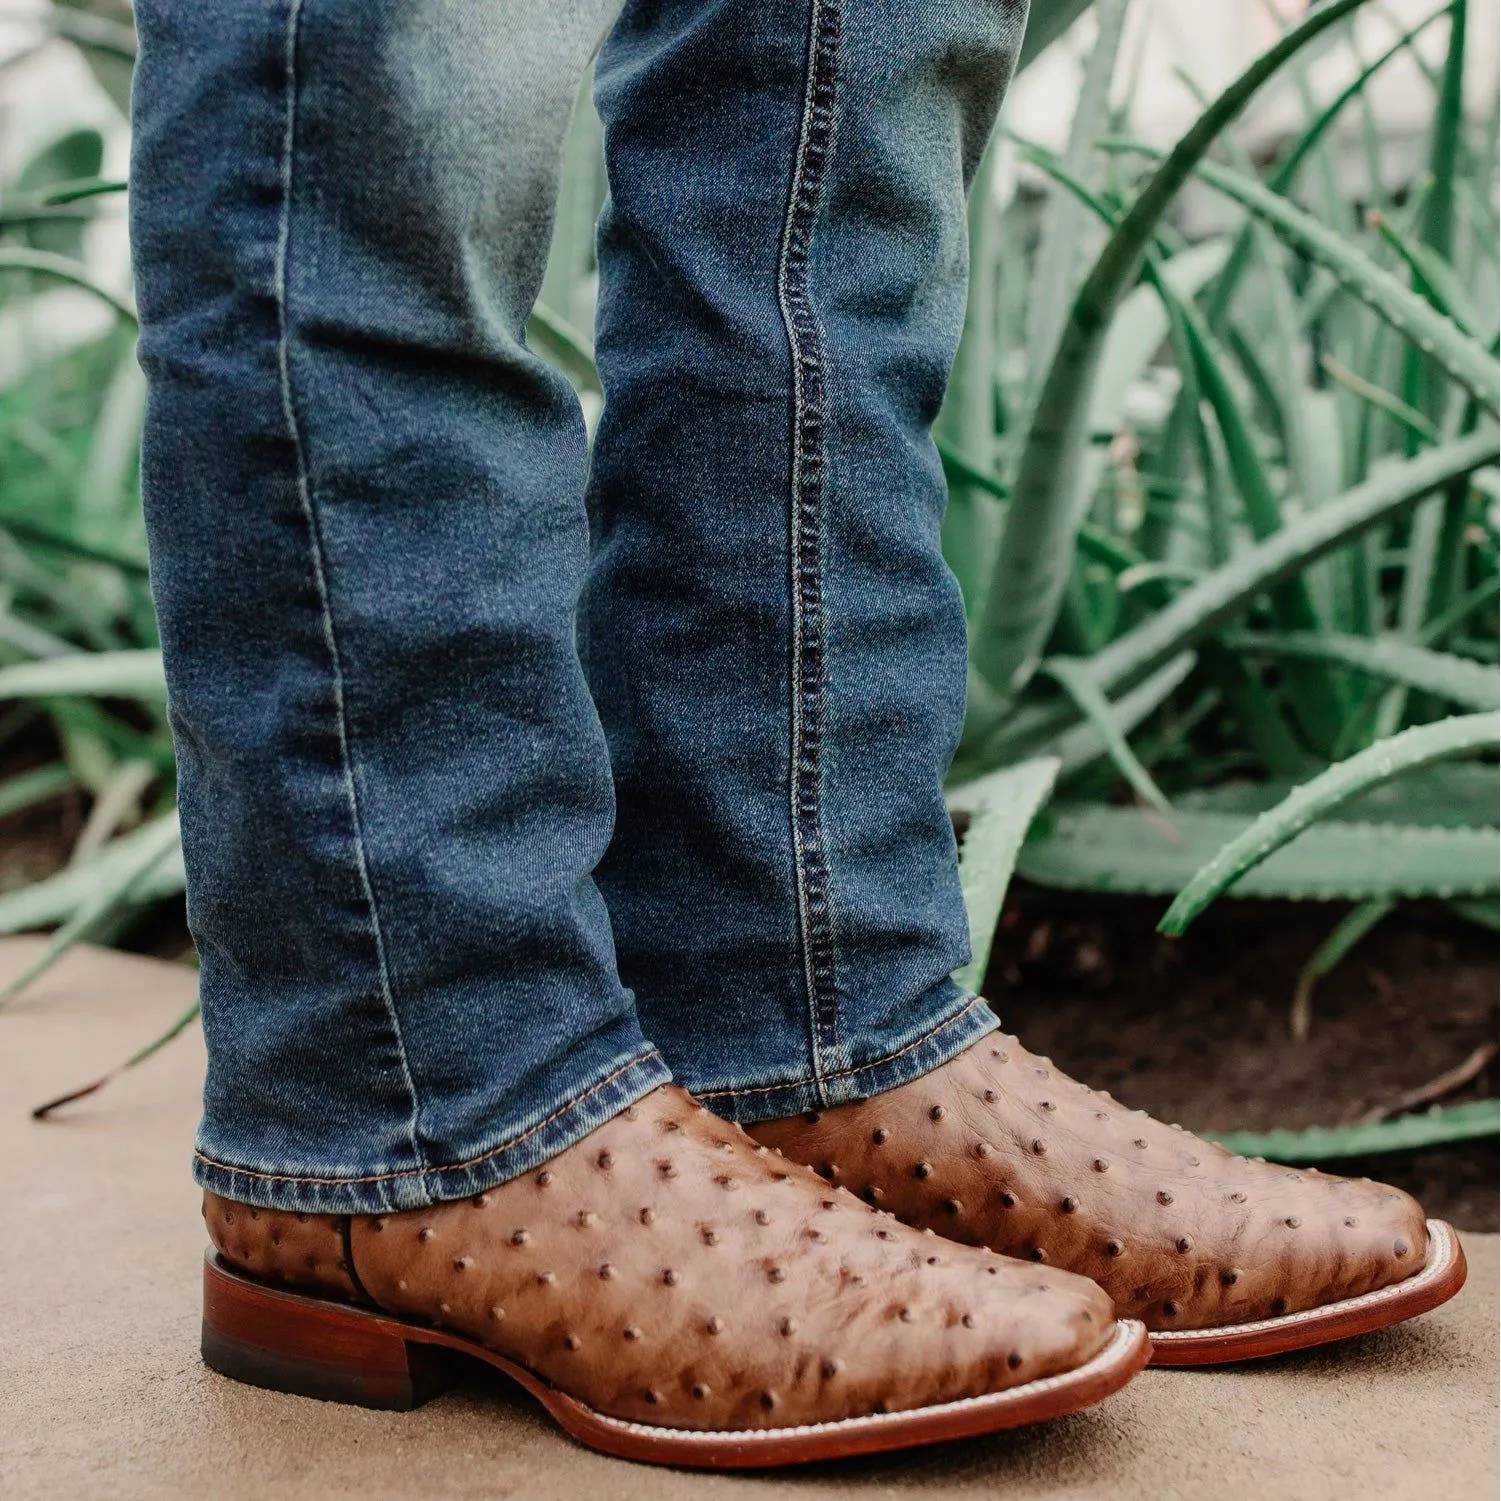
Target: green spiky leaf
62	268
1036	553
103	674
1479	1120
114	884
1001	807
1100	848
1465	359
1440	673
1073	677
1416	747
146	862
1203	607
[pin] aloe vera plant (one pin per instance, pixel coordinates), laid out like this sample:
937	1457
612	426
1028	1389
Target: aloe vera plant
1035	550
1245	506
1298	557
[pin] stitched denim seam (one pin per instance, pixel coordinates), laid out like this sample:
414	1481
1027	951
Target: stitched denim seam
808	478
845	1073
450	1167
315	547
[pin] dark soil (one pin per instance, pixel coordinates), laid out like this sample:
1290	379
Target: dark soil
1195	1029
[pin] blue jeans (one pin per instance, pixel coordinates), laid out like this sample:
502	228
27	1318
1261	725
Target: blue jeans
514	783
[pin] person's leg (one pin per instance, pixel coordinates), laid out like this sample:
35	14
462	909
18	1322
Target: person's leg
777	648
364	499
772	635
367	536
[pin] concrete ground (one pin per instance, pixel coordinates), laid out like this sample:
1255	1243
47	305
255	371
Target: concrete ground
102	1392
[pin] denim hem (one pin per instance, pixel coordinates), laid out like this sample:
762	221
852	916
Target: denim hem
945	1038
621	1084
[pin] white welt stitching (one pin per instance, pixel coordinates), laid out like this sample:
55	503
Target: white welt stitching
1439	1262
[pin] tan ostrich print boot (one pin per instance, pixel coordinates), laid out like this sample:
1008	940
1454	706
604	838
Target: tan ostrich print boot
670	1291
1223	1258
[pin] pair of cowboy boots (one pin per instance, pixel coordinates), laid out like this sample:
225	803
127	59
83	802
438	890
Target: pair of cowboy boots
990	1244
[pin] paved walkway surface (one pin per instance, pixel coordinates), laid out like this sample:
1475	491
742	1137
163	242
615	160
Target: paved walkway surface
102	1393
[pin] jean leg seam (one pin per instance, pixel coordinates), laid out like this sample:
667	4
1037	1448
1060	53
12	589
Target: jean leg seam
808	479
315	547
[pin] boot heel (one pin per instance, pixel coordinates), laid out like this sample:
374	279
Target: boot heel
311	1347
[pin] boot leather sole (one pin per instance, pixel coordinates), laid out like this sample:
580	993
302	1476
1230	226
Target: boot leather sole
1442	1275
315	1347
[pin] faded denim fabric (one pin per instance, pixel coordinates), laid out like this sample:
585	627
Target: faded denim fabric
773	638
433	953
